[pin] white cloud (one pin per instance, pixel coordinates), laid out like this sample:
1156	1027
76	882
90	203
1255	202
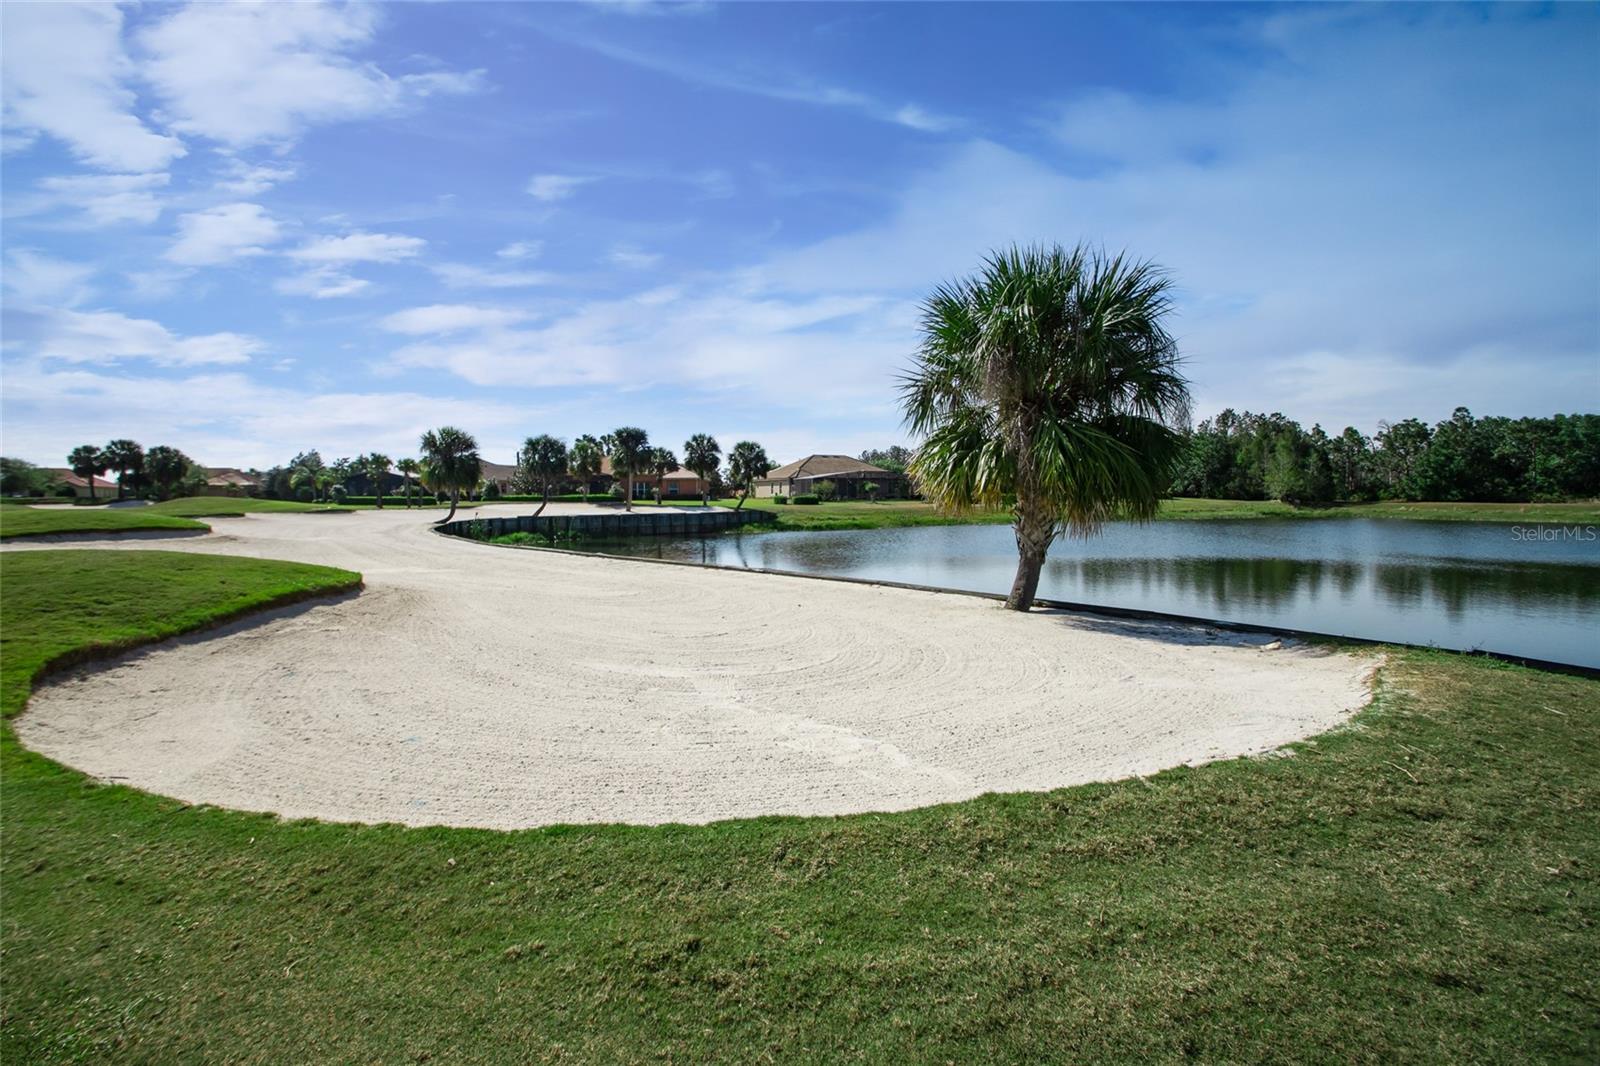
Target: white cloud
359	248
633	258
33	277
465	276
322	283
553	187
64	75
448	318
109	336
246	179
521	250
223	233
103	199
248	73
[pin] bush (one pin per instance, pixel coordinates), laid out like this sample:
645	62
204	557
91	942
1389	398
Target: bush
338	493
304	494
491	491
826	490
807	500
64	492
780	499
441	497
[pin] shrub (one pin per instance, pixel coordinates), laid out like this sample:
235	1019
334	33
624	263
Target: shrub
491	491
304	494
825	490
780	499
807	499
338	493
441	497
65	492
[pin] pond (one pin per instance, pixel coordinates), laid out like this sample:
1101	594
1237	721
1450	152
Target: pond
1522	590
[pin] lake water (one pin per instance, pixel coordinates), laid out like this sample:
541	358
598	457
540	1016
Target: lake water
1450	584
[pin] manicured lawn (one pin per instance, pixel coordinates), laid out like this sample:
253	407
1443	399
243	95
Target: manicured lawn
1419	887
201	506
36	522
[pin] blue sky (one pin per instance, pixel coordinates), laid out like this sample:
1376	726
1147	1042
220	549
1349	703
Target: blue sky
248	230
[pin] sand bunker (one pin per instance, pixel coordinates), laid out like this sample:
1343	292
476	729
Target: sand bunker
478	686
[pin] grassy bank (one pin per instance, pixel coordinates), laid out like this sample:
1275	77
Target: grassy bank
221	506
43	522
1419	887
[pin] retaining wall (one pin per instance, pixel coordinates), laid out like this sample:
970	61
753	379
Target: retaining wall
642	522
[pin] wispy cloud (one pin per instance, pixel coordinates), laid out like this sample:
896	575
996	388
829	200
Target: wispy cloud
552	187
466	276
359	247
223	233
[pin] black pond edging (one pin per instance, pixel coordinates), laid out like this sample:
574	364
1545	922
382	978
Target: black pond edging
674	522
1095	609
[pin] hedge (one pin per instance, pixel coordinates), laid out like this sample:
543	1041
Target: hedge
807	499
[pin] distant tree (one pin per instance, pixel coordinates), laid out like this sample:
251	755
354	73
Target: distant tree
871	489
542	460
1350	459
88	462
703	455
662	463
747	462
895	457
630	456
409	468
826	490
127	459
1048	379
20	477
165	468
583	462
376	467
1400	447
450	463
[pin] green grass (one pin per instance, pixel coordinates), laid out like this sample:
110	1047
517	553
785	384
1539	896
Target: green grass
218	506
35	522
1421	886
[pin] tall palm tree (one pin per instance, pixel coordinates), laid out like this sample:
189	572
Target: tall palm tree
376	467
630	454
746	462
450	463
584	461
543	459
88	462
662	462
167	468
702	454
408	468
1048	378
127	459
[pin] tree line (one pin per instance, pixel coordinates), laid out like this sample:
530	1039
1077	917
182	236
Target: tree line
1245	456
161	472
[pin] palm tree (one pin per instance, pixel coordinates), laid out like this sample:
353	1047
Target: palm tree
88	462
746	462
630	454
702	454
1048	378
408	468
584	461
542	460
376	467
662	462
166	467
127	459
450	463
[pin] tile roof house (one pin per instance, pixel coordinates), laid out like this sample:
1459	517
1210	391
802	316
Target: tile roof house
849	477
230	481
63	477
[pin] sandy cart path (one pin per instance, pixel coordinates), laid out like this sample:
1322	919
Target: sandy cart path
479	686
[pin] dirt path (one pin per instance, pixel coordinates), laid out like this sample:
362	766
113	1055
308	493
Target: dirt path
481	686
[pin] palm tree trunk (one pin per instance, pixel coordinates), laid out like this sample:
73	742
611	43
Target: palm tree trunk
543	503
455	494
1035	530
742	497
627	498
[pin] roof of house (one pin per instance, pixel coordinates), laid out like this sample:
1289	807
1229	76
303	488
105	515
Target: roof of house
682	474
497	471
67	477
230	475
828	466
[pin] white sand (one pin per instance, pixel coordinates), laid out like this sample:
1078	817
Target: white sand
479	686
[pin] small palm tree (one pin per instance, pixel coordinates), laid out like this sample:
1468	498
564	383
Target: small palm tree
746	462
167	468
584	462
1048	378
408	469
630	455
450	463
662	463
871	489
88	462
376	467
702	454
127	459
543	459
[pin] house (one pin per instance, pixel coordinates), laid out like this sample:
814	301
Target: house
679	484
63	478
849	476
500	474
230	481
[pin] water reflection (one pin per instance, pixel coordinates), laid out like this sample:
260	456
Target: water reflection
1454	585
